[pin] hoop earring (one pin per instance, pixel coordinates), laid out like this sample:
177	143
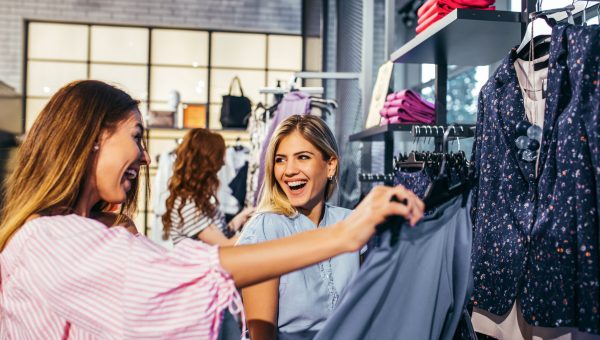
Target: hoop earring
330	178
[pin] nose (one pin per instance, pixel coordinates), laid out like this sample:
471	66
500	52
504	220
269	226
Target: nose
291	168
145	157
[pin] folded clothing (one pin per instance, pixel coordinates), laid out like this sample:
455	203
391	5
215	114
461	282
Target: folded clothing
408	107
434	10
397	120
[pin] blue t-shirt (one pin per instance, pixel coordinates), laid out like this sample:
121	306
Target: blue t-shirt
307	296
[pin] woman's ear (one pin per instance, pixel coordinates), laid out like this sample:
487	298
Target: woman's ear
332	164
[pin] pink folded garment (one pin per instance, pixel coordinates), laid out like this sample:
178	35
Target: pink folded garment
408	99
454	4
436	14
408	116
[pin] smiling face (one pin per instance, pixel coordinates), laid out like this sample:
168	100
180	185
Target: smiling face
301	171
119	157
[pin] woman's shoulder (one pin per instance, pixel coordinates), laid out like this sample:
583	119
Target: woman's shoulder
264	226
337	213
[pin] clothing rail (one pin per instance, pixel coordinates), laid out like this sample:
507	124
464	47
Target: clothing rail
279	90
369	177
456	131
328	75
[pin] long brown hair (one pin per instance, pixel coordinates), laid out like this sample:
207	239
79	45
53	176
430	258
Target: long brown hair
199	158
53	161
314	130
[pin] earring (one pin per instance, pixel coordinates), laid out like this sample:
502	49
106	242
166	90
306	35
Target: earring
96	147
330	178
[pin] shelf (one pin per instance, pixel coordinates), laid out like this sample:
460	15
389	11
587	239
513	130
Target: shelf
464	37
377	133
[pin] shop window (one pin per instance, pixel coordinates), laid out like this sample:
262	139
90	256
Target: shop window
252	81
190	82
130	78
241	50
45	77
119	44
58	42
285	52
179	47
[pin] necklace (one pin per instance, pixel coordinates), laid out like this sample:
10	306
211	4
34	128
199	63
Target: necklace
529	132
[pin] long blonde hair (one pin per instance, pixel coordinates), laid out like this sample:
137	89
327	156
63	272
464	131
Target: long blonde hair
314	130
53	161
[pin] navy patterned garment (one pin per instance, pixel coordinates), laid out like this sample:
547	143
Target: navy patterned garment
537	239
417	182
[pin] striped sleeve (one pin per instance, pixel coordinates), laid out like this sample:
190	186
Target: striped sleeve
192	223
116	285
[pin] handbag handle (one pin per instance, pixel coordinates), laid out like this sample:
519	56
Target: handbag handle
239	82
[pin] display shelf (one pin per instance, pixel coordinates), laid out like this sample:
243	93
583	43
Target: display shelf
377	133
465	37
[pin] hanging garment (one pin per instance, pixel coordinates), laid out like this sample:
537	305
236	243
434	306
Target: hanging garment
308	296
257	128
159	199
293	103
234	161
416	182
412	288
238	184
537	238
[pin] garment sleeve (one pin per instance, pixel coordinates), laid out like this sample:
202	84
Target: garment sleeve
116	285
262	228
192	224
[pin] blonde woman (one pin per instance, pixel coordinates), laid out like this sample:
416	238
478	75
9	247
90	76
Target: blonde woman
67	276
301	175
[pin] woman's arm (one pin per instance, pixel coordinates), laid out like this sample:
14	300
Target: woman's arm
251	264
261	303
212	235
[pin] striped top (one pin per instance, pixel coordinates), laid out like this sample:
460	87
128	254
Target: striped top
193	222
71	277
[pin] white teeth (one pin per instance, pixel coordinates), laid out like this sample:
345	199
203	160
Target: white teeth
295	184
131	174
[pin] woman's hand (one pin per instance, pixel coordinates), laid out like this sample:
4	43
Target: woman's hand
238	221
375	208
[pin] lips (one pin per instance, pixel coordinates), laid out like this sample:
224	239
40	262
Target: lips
131	174
296	185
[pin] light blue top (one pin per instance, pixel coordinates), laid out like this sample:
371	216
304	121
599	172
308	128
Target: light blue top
307	296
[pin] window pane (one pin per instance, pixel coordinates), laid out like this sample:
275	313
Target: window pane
285	52
34	106
131	79
45	78
57	41
251	82
313	54
239	50
190	82
119	44
179	47
215	114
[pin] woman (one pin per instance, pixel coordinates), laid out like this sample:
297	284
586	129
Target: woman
301	175
65	275
194	181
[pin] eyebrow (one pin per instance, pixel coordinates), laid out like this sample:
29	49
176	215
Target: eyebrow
296	154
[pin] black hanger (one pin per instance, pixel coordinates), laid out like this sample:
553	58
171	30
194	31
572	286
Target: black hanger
411	162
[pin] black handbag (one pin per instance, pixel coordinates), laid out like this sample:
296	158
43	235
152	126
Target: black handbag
236	109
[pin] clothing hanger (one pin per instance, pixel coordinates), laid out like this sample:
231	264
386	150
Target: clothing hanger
411	162
439	190
329	102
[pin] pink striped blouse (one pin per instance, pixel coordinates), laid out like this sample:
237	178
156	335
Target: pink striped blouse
71	277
